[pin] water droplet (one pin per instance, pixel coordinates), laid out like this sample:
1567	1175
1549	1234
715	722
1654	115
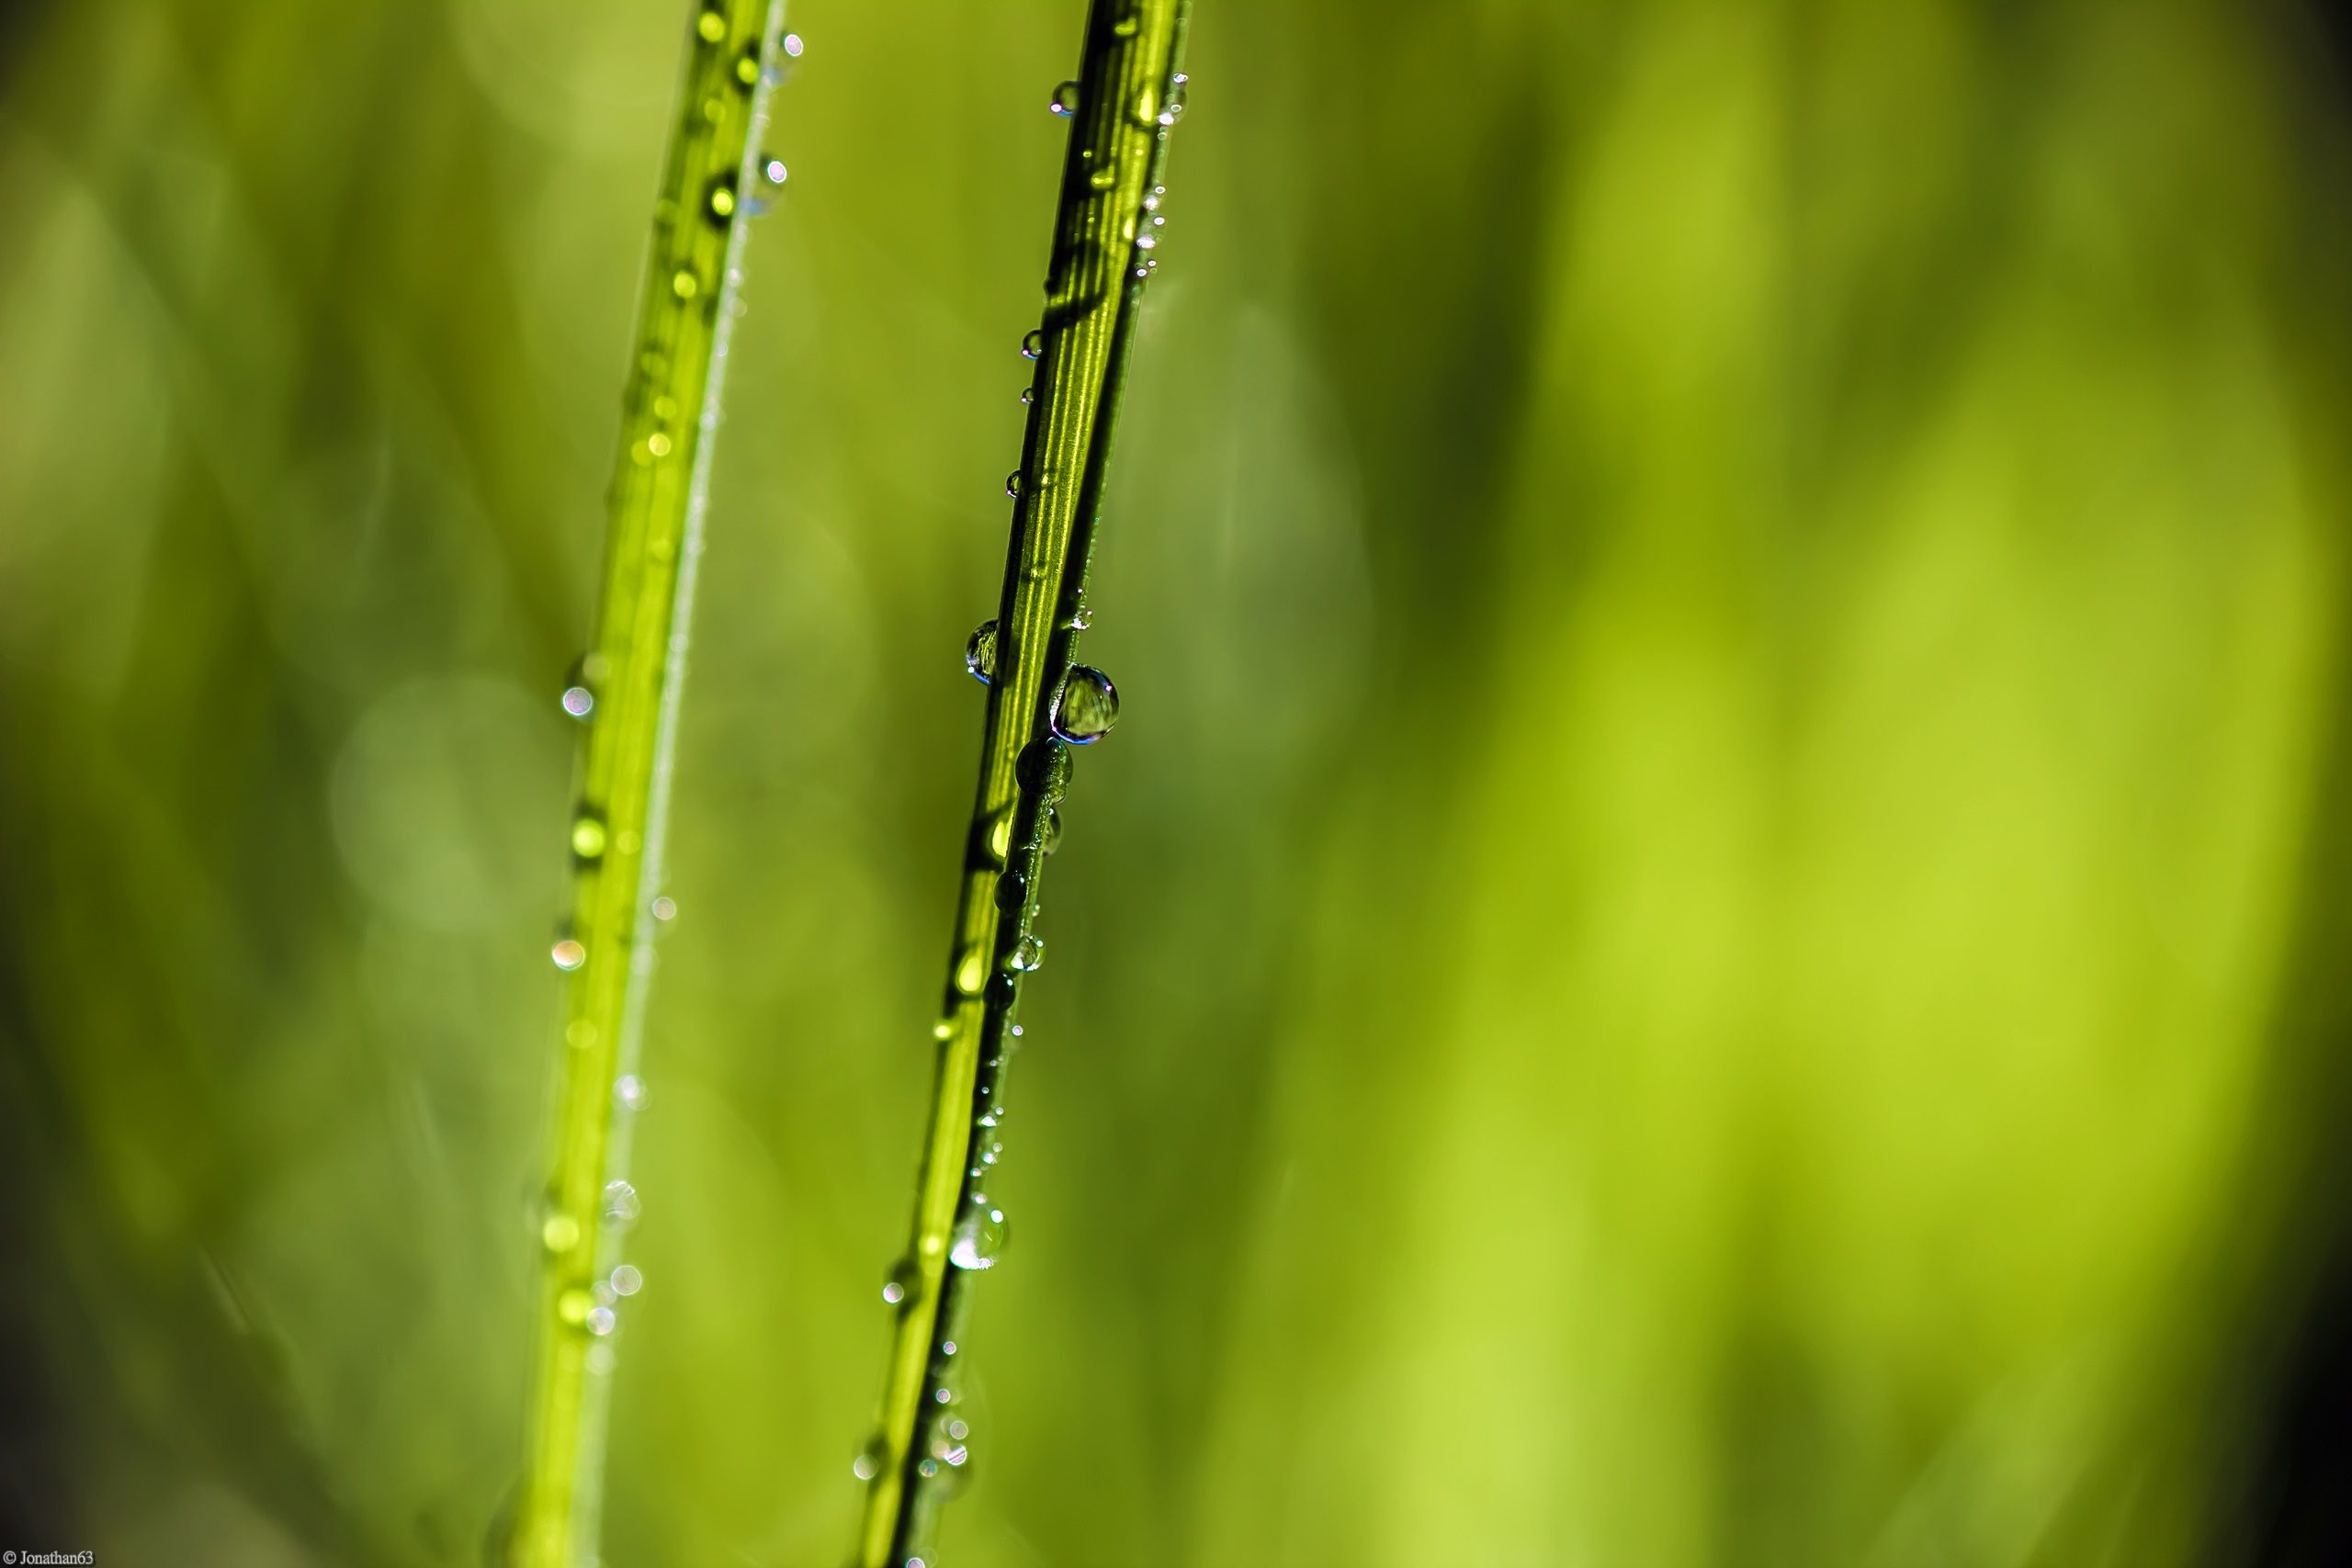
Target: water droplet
1172	109
1065	100
1012	892
710	27
622	1205
1028	953
559	1234
1147	239
627	1279
1033	345
568	953
972	972
905	1279
573	1306
992	1153
870	1459
978	1236
1051	838
943	1031
663	907
658	444
793	45
1013	483
979	652
1086	707
588	836
628	1092
1153	198
601	1321
1043	768
1028	396
578	702
771	170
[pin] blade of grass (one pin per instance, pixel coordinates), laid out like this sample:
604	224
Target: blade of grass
626	692
1129	91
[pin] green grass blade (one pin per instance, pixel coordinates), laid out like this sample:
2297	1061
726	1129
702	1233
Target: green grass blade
628	684
1129	91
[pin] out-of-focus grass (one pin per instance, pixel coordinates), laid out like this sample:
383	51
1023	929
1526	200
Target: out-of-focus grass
1702	942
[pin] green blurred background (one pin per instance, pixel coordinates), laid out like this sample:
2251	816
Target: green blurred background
1717	933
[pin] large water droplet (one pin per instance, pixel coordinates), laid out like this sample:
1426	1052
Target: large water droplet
1033	345
1172	109
1028	953
979	652
1087	707
622	1205
978	1236
1065	100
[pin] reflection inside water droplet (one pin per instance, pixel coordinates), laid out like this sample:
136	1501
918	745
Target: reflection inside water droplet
1028	953
1086	707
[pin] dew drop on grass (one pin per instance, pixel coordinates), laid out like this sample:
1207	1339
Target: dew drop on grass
1028	396
870	1459
1033	345
899	1287
771	169
601	1321
622	1205
978	1236
588	836
578	702
1013	483
1172	109
568	953
663	907
1064	102
720	202
1051	838
792	45
1086	707
628	1092
627	1279
1028	953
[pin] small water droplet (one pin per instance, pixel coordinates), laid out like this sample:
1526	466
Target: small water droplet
1086	707
622	1205
793	45
663	907
870	1459
601	1321
1028	953
1064	102
1147	239
992	1153
1033	345
978	1238
627	1279
1013	483
1051	838
568	953
1012	892
559	1234
1153	198
658	444
578	702
771	170
588	836
1172	109
1028	396
904	1279
628	1092
979	652
710	27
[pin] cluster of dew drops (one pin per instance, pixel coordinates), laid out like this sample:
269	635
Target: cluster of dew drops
1084	711
595	1311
